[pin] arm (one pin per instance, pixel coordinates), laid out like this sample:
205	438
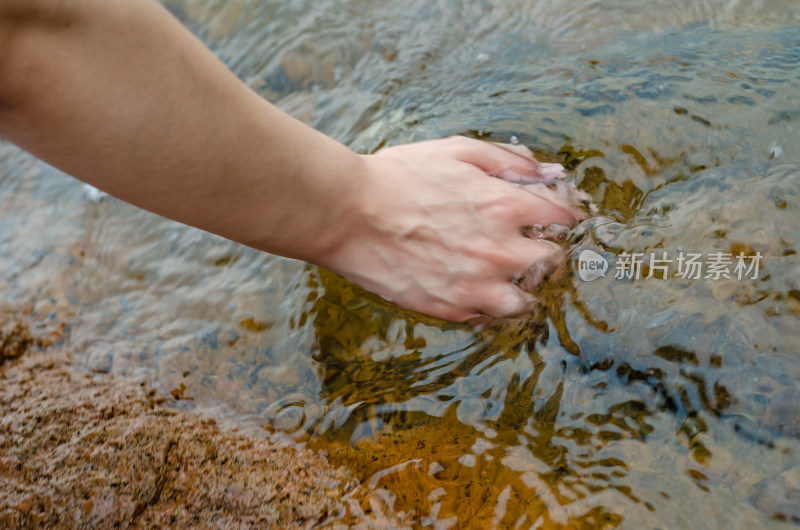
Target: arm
122	96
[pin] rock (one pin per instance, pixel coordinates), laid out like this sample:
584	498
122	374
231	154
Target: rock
778	497
91	451
100	361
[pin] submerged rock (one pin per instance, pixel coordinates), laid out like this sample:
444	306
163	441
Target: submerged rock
15	337
86	451
779	496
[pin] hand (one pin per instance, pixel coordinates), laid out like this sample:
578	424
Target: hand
436	234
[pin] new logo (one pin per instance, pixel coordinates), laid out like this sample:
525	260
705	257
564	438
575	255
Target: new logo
591	265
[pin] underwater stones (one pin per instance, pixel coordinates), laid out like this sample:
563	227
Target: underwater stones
100	361
779	496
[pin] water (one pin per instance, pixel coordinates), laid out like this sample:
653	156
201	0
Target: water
640	403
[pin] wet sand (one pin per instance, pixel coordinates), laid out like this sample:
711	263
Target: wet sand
82	450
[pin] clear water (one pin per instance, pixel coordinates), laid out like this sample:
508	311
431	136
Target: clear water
640	403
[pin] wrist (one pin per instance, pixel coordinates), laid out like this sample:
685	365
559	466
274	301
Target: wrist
342	212
320	208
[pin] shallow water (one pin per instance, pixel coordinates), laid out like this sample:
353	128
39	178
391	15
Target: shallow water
658	402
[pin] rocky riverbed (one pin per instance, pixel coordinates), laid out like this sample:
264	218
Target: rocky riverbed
81	450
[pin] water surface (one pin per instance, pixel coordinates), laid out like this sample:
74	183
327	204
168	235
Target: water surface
650	402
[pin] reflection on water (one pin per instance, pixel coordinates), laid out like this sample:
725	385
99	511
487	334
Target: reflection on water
664	402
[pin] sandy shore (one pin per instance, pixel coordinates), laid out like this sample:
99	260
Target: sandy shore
82	450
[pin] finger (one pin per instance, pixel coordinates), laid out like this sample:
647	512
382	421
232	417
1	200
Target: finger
480	321
562	194
509	162
506	299
524	252
568	197
449	312
545	171
544	258
549	172
517	149
537	210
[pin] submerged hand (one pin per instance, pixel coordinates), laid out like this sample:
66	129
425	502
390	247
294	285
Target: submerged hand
438	235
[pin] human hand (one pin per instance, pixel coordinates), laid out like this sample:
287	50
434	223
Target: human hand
436	234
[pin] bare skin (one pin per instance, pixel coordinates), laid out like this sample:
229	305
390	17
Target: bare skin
120	95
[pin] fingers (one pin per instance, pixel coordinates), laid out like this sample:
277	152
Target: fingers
506	299
454	314
545	171
568	197
548	256
533	209
505	295
499	300
517	149
550	172
541	252
477	252
515	163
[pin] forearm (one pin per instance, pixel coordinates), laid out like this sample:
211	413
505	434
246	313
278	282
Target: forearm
120	95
